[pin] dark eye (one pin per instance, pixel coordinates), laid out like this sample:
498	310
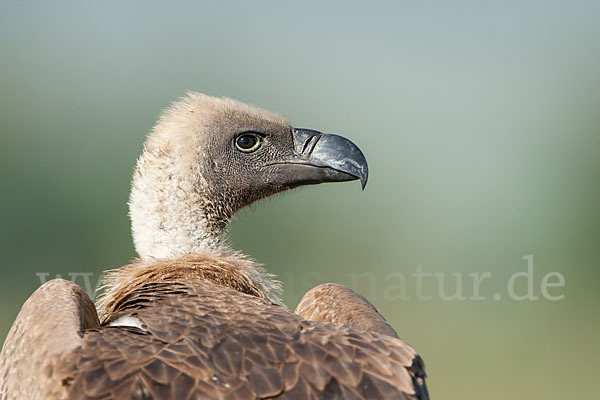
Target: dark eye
247	142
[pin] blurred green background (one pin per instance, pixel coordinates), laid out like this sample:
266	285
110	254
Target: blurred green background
480	121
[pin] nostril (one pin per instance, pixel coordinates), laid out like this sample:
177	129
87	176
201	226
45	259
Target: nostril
305	140
310	144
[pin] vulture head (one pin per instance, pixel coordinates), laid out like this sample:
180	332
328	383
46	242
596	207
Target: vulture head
208	157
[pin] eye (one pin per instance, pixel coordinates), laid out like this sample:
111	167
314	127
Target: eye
247	142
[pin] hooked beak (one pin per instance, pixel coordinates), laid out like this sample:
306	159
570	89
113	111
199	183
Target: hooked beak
322	157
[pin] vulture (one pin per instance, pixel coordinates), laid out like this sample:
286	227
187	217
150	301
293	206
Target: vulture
191	318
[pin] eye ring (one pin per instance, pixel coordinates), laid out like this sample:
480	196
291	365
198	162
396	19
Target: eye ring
248	142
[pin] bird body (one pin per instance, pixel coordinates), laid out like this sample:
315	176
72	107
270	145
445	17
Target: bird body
193	319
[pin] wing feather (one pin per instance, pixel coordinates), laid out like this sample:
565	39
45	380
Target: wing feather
212	342
39	354
331	302
200	342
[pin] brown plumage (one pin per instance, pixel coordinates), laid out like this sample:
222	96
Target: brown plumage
200	321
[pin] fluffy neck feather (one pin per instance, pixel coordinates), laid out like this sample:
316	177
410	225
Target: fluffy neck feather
170	212
229	269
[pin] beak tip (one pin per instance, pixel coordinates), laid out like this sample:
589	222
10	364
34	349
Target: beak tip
364	175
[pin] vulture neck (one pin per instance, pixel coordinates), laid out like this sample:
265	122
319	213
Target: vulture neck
170	208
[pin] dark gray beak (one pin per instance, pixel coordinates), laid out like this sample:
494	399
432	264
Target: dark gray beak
322	157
